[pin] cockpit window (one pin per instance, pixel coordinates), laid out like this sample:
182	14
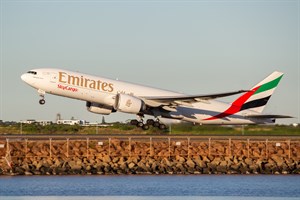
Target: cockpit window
32	72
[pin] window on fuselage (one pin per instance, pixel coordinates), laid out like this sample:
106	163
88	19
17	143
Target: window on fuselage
32	72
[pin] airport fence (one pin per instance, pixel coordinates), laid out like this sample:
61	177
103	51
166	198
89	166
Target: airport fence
153	147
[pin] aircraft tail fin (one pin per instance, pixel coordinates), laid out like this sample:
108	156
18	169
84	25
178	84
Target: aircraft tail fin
257	98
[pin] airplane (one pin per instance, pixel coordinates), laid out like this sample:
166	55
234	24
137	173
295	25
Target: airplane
105	96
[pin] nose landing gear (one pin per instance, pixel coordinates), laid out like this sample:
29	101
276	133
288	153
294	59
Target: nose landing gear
42	101
42	95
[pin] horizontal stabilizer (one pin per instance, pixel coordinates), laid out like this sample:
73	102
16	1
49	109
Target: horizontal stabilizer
268	116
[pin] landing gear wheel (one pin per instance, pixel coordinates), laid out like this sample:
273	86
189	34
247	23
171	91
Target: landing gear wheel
140	124
42	101
156	124
134	122
150	122
145	127
162	127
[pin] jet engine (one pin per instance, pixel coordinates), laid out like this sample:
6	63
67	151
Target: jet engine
129	104
99	108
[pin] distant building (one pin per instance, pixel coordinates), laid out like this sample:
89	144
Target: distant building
7	123
58	116
97	124
44	122
28	121
40	122
71	122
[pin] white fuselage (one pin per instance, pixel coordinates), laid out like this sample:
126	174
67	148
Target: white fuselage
103	91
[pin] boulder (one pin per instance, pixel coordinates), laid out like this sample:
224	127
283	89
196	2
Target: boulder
106	159
19	170
216	161
131	165
254	168
206	170
27	173
244	169
166	162
256	154
200	163
284	166
107	169
123	168
132	160
74	165
44	170
205	159
190	163
212	167
143	167
278	160
115	159
162	169
266	168
36	172
25	166
154	167
235	167
179	169
222	169
180	159
88	168
235	160
249	161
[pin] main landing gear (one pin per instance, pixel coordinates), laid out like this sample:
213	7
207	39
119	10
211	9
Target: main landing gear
149	122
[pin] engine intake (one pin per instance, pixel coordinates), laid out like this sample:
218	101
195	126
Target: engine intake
98	108
129	104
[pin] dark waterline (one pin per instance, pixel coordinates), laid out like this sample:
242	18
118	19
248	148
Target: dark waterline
202	185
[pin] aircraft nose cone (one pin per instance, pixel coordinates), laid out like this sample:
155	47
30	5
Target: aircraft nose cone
23	77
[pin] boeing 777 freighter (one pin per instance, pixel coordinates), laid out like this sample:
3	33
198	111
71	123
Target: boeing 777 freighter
104	96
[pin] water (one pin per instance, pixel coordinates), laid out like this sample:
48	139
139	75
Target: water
151	187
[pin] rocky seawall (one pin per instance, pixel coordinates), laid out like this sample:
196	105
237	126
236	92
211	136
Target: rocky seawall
149	156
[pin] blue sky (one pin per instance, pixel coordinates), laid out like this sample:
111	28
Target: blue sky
196	47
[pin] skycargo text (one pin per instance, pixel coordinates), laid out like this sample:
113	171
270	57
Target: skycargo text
67	88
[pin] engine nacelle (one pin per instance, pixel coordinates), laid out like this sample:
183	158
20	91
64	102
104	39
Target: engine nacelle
129	104
98	108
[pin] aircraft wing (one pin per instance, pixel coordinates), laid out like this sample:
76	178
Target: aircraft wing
185	99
